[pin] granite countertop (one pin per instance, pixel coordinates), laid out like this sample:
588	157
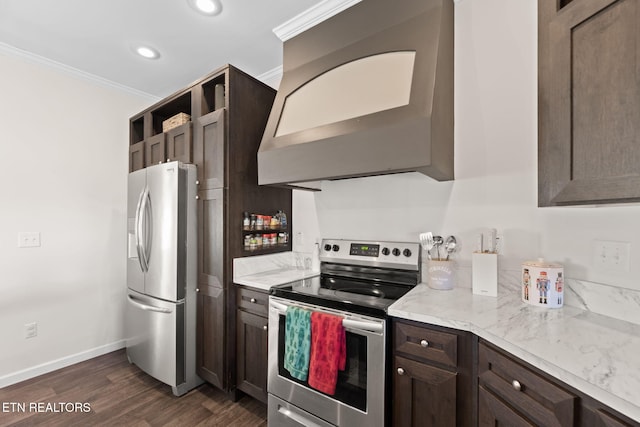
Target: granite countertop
591	352
265	271
266	279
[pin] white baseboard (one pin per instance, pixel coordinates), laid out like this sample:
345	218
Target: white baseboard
44	368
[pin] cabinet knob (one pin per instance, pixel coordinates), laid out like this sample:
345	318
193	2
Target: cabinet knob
400	371
253	300
197	289
516	385
197	197
424	343
168	160
197	182
265	327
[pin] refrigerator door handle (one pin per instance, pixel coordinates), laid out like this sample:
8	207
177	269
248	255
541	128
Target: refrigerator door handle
147	307
138	232
148	227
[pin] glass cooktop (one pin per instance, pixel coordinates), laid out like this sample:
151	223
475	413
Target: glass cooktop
360	296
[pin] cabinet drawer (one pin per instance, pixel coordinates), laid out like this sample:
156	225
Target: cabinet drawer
253	301
543	402
427	344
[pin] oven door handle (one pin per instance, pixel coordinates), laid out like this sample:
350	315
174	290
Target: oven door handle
363	325
297	417
347	323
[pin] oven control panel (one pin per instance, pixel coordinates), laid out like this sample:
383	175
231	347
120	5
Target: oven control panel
402	255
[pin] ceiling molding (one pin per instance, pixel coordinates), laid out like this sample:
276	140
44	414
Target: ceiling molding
271	76
311	17
74	72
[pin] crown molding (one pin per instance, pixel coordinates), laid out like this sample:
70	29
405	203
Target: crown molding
74	72
271	76
312	16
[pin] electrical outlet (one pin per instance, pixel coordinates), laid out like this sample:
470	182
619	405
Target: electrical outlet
613	256
30	330
29	239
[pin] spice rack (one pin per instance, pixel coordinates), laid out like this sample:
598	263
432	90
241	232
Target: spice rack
264	232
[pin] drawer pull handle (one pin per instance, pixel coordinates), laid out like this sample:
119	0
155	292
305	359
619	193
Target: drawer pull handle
424	343
253	300
400	371
516	385
265	327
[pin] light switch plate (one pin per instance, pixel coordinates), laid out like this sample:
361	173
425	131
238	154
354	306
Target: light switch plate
28	239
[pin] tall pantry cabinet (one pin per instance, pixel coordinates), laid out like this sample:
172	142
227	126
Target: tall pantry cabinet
224	116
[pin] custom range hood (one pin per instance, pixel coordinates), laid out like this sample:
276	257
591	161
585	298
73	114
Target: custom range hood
367	92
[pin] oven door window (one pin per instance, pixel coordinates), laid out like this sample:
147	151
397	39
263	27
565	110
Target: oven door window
351	388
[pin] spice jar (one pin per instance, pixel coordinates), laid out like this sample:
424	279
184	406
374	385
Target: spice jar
246	221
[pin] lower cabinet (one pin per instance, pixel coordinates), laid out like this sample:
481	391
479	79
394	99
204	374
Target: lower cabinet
252	333
514	393
511	394
432	377
210	335
445	377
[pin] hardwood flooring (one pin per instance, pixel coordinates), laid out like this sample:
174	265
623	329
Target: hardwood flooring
108	391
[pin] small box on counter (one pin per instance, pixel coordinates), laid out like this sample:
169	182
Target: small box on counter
484	273
175	121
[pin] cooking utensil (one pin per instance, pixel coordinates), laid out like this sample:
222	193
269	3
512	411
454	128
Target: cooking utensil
437	242
427	242
450	245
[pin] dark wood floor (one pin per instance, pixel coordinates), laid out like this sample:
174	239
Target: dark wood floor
119	394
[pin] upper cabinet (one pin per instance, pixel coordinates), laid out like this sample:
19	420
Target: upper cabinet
589	102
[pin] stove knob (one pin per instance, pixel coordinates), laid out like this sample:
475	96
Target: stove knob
336	248
396	251
406	253
327	247
385	251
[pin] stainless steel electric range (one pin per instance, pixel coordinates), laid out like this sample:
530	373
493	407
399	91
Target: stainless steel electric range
358	281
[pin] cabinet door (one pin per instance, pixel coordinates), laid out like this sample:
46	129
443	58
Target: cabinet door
210	335
494	412
136	156
536	399
211	238
423	395
179	144
589	102
209	149
155	149
252	354
210	345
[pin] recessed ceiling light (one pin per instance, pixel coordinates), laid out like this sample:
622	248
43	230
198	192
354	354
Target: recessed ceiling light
207	7
147	52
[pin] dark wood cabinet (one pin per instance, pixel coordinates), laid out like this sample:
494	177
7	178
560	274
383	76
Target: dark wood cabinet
228	111
136	156
155	149
210	335
179	144
252	339
511	394
588	101
432	377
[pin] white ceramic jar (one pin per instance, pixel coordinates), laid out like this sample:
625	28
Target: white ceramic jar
542	284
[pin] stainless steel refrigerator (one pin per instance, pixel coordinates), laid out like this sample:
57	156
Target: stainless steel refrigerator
161	274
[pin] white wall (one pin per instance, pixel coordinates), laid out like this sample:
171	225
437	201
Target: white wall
64	144
495	165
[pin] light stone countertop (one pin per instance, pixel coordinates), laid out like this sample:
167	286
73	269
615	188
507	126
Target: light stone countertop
266	279
265	271
596	354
